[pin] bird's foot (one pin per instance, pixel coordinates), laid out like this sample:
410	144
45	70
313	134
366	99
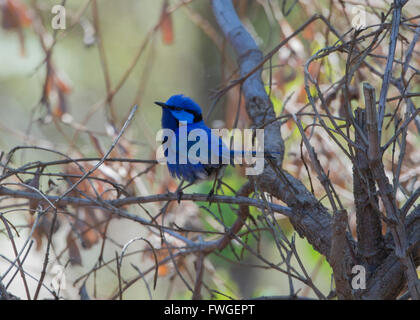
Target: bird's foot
179	194
210	196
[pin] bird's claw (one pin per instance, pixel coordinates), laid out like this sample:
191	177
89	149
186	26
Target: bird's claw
210	196
179	194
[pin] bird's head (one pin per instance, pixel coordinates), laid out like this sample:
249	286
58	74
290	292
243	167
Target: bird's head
182	108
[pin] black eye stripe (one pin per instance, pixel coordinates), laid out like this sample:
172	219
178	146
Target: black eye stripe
197	116
175	108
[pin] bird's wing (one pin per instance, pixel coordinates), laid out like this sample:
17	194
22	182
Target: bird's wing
217	152
202	144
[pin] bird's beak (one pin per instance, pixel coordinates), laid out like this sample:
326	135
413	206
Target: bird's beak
161	104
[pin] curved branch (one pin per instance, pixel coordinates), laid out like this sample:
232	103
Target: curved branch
309	217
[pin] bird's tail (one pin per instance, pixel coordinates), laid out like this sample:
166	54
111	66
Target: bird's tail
265	154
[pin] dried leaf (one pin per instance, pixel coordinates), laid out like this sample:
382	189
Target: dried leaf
43	228
166	25
90	235
15	15
308	33
62	83
163	270
61	107
74	252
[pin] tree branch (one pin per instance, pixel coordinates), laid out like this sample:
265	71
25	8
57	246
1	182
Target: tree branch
310	218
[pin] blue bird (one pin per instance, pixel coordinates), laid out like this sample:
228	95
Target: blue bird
182	110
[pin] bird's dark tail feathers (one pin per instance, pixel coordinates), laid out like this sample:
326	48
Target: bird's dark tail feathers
266	154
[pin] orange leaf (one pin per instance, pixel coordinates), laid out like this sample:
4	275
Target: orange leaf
15	15
166	25
62	85
290	124
314	69
308	32
163	270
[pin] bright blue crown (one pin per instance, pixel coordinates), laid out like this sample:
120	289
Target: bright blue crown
184	102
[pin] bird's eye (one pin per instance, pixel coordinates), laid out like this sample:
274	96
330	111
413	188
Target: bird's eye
178	108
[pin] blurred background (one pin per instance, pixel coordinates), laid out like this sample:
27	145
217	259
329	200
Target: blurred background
71	91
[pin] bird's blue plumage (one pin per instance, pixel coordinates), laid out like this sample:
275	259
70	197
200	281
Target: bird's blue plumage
181	115
180	108
184	102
